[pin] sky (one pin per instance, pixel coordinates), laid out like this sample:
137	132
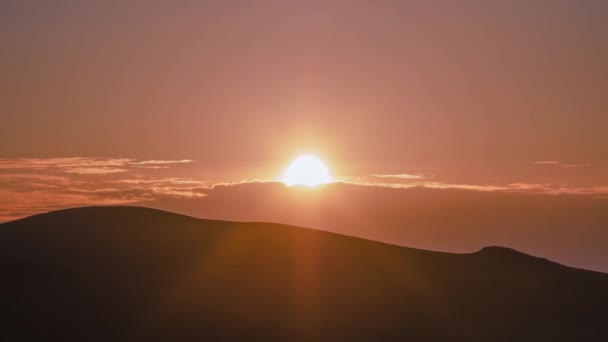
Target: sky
165	103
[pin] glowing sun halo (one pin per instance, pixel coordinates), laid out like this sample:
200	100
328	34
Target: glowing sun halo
307	170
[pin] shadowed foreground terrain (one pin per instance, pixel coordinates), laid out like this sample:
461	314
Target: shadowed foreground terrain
127	273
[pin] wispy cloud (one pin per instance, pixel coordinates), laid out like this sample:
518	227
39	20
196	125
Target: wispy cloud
176	187
31	176
576	165
400	176
32	185
560	164
162	181
551	189
45	163
86	165
94	170
162	162
15	204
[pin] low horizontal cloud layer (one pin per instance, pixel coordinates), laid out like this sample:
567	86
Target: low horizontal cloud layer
558	221
547	188
82	165
32	185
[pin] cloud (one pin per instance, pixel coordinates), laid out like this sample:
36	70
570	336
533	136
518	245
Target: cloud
180	192
162	181
17	204
32	185
549	189
26	195
94	170
156	162
560	164
31	176
120	180
45	163
86	165
400	176
576	165
175	187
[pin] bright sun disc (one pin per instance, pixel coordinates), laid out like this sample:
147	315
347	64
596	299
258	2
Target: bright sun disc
307	170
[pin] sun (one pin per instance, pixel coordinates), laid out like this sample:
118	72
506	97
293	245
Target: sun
307	170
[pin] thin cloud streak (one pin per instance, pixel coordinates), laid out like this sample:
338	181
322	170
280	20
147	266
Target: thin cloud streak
400	176
94	170
162	162
557	163
551	189
85	165
576	165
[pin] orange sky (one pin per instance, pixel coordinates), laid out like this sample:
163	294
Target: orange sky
155	102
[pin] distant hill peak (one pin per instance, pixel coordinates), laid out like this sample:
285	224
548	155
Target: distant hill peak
511	255
499	250
92	212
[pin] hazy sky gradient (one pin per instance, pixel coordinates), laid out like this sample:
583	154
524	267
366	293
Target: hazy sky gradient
478	89
155	102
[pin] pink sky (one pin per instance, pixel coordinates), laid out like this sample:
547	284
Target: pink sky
172	103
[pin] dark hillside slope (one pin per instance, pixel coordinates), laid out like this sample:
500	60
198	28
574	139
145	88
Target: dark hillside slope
136	274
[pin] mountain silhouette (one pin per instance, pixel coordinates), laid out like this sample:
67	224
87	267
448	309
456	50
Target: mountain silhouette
139	274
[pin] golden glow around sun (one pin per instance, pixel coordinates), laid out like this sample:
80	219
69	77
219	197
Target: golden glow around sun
307	170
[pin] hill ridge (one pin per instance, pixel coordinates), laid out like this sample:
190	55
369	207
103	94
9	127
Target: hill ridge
138	274
122	209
